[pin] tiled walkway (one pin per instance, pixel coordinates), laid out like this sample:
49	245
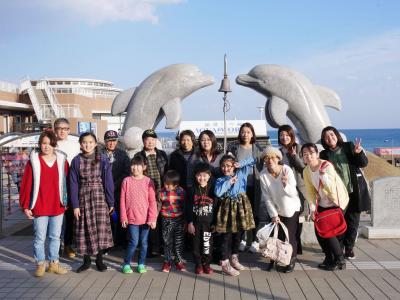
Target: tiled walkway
374	274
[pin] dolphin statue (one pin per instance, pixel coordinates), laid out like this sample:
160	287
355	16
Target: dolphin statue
290	94
159	95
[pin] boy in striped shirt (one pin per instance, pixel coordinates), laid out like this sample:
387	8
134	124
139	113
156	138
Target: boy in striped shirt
172	198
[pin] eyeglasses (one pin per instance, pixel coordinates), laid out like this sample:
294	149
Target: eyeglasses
62	128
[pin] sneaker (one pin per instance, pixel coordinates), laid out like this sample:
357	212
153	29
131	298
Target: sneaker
199	269
180	266
141	269
234	261
228	269
166	267
242	246
126	269
254	247
207	269
349	254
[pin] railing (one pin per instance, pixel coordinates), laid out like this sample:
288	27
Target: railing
86	92
57	108
63	110
8	87
27	86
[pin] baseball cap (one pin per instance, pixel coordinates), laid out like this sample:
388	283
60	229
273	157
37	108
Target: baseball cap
110	135
149	133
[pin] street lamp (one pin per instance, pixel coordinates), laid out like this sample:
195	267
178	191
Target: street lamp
225	88
391	150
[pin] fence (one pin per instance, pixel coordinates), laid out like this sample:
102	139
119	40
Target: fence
12	166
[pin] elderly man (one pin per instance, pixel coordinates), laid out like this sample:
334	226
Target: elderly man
71	149
120	169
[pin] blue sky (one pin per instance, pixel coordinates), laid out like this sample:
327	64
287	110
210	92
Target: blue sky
352	47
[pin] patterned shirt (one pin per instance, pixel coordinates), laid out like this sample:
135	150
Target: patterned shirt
172	202
152	171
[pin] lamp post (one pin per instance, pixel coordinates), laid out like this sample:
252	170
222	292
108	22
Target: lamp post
391	150
225	88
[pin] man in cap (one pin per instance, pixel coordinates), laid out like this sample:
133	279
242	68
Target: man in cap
157	166
120	163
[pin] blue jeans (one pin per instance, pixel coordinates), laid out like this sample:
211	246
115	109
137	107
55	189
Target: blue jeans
137	233
40	226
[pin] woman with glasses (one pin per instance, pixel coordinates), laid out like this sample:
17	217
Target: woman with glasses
280	199
322	182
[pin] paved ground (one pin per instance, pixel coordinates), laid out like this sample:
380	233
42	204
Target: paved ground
375	274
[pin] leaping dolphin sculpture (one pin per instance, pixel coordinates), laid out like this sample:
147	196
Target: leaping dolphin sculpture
157	96
290	94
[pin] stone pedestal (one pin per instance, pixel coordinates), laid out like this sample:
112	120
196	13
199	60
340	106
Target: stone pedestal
385	209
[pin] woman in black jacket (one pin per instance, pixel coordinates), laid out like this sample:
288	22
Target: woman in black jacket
348	158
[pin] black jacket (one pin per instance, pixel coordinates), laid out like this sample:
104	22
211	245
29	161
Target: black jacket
178	163
201	205
357	202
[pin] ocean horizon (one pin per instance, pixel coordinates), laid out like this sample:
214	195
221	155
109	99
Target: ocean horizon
370	138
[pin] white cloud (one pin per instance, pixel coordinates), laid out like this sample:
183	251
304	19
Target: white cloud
95	12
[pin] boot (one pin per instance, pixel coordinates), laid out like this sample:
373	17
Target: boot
40	269
99	262
228	269
327	262
234	261
270	265
86	264
56	268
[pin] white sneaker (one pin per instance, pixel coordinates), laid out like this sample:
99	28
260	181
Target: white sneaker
242	246
254	247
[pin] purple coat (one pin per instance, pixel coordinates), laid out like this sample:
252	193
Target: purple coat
106	177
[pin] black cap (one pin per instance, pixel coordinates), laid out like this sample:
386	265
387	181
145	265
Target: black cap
149	133
110	135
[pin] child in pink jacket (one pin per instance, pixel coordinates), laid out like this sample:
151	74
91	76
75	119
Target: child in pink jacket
138	211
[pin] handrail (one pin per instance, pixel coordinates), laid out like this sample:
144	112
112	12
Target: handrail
27	85
43	85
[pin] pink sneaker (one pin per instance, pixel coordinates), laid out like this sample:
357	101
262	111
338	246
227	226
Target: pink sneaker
228	269
234	261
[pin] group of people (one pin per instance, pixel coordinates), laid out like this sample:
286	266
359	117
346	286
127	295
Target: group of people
198	196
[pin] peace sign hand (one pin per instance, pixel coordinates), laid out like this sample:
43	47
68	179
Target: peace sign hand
284	177
357	145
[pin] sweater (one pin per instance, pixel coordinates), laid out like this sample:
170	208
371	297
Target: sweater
276	199
172	202
332	187
138	201
201	205
43	188
70	148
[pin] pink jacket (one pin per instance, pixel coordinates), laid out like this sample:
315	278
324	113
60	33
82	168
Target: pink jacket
138	202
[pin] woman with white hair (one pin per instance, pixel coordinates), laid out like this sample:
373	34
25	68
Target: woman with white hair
279	199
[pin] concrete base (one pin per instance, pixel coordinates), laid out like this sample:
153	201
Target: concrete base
371	232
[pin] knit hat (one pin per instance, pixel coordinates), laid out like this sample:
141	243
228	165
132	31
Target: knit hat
269	151
149	133
110	135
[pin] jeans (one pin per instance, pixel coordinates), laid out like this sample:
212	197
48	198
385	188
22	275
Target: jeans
137	233
40	225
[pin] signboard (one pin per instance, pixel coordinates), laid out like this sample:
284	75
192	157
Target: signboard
387	151
217	127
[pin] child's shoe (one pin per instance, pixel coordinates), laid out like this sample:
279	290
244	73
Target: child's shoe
242	246
166	267
126	269
207	269
228	269
234	261
254	247
199	269
141	269
180	266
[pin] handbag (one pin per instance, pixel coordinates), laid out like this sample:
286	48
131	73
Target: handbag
277	250
331	222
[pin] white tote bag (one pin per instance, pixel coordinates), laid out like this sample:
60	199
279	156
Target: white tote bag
277	250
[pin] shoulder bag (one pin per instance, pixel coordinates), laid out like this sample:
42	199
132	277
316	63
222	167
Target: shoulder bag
331	222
